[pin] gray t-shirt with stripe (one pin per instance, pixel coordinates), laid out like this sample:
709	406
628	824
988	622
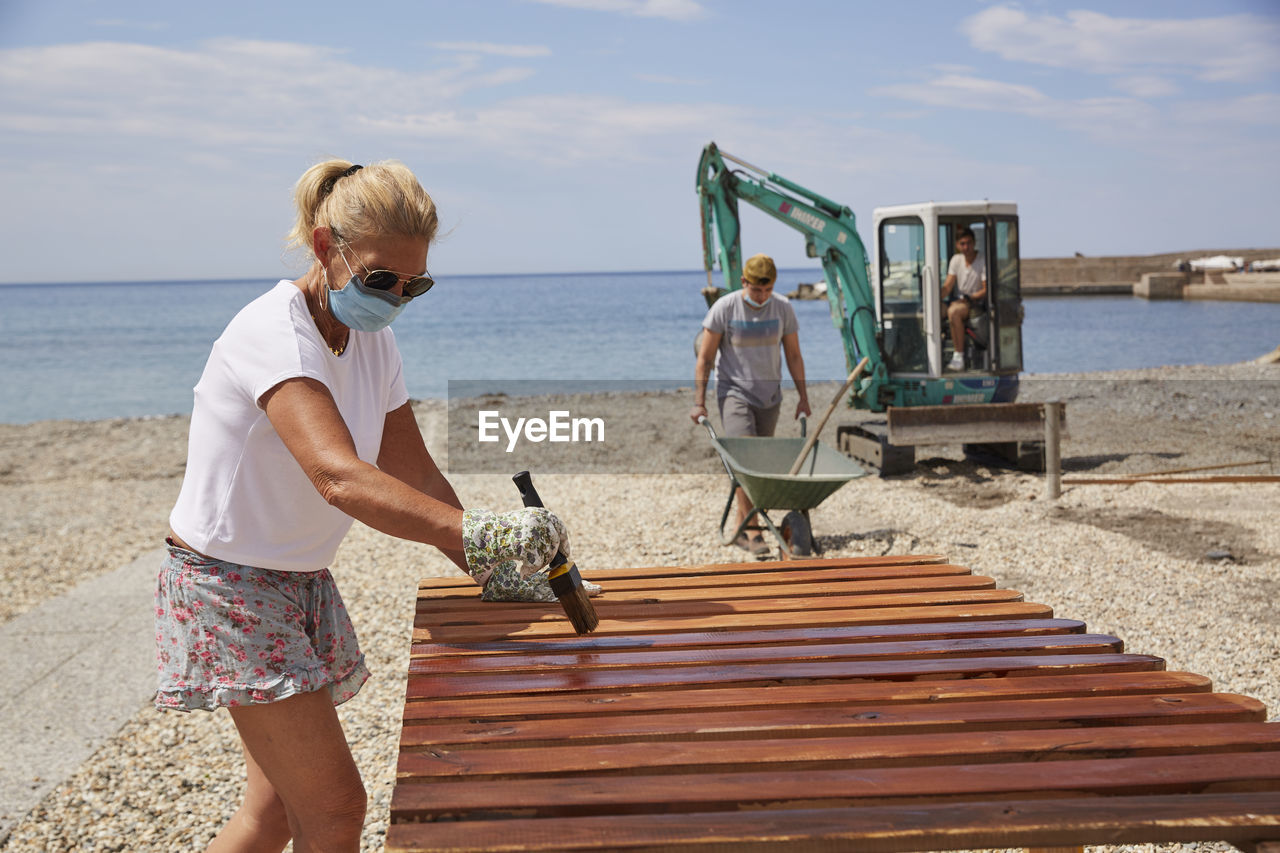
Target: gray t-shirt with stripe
749	362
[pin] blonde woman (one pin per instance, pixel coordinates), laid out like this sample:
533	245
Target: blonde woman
302	423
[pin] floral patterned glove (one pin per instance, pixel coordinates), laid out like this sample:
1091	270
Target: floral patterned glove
506	551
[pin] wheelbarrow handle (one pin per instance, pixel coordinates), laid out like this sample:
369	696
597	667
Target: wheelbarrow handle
702	419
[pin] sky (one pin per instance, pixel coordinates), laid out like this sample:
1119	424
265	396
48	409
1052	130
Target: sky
161	140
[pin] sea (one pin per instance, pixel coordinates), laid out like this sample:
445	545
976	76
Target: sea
89	351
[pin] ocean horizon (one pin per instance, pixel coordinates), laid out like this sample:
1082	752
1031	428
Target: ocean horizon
93	350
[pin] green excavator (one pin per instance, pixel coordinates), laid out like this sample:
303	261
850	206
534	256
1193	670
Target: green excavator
892	312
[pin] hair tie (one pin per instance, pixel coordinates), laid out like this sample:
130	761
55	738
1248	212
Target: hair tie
327	186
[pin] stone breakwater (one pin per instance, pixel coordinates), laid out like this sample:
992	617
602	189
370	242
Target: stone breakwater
1149	276
1188	572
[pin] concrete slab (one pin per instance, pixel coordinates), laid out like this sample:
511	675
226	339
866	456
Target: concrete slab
77	668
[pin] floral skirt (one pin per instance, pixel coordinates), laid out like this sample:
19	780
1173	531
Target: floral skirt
230	635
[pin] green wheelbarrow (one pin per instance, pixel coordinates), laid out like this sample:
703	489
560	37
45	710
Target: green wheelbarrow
759	467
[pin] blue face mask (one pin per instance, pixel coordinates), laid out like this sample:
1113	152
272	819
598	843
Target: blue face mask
753	303
362	308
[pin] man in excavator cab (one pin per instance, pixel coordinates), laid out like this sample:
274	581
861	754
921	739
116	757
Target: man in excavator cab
964	291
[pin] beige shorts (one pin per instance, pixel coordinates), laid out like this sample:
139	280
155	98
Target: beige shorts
740	418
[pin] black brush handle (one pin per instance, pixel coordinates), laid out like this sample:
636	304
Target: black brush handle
528	494
524	482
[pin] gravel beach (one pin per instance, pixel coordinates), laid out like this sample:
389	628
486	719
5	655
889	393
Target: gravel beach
1187	571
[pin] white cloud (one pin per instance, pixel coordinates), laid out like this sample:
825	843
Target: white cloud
1146	86
1227	48
672	10
269	94
284	98
519	51
1180	133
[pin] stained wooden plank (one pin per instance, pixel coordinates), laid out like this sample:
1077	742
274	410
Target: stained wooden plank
1238	818
448	603
733	694
615	580
481	684
656	608
769	636
649	607
813	694
761	567
555	625
715	736
722	655
702	792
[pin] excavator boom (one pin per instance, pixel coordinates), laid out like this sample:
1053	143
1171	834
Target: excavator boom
830	233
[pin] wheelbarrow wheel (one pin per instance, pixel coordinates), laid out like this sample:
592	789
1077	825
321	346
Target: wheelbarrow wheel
795	530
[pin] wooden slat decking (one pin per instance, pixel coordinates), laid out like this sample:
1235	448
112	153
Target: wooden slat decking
885	704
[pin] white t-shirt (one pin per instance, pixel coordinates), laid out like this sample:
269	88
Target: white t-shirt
244	497
969	278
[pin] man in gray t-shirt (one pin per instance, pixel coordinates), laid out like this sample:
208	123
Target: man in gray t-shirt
745	334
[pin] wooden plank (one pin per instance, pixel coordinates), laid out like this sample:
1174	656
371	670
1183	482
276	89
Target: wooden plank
1128	481
814	694
728	621
484	684
655	608
835	788
619	579
447	603
763	566
1239	818
769	636
774	735
612	583
722	655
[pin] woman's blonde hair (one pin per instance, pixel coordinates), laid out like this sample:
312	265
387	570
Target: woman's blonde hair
356	202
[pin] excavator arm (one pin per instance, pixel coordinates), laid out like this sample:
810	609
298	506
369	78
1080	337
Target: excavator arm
830	234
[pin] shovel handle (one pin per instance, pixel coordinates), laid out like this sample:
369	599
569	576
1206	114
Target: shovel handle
835	401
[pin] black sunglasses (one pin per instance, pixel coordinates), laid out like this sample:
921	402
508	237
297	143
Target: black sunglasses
386	279
414	286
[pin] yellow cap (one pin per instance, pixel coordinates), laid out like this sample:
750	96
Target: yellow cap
760	269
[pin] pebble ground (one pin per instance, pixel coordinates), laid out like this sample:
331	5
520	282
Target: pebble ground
1144	562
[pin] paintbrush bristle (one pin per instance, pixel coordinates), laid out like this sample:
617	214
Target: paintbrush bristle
581	612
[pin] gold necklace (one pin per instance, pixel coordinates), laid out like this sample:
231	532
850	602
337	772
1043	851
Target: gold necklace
338	350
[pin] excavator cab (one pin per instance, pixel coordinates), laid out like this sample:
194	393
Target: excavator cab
913	244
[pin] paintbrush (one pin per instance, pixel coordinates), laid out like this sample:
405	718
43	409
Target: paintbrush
566	583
